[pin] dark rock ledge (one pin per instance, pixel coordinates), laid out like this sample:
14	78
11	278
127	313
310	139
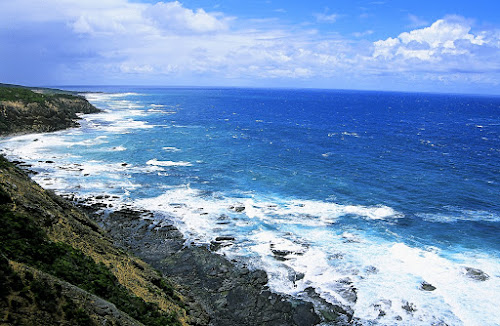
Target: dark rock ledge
230	294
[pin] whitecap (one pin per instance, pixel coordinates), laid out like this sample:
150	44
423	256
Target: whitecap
118	148
168	163
171	149
455	214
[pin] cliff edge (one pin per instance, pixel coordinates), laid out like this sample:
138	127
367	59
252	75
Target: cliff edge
23	110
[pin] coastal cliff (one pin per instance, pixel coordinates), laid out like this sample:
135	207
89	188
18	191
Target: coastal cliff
56	265
23	110
69	264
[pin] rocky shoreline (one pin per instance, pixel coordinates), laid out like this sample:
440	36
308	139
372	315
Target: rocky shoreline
219	292
230	293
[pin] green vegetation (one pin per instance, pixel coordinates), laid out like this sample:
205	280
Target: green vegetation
43	90
22	240
20	94
27	96
44	239
40	293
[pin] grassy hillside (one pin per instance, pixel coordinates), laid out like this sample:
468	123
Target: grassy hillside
23	110
46	243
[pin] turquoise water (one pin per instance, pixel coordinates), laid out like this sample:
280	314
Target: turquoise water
387	190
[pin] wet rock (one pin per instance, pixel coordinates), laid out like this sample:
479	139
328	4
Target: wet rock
346	289
239	209
225	238
381	307
230	294
334	314
476	274
281	254
216	245
427	286
98	205
409	307
297	276
304	315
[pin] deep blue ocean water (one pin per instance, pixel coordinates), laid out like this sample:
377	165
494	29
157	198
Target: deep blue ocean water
387	190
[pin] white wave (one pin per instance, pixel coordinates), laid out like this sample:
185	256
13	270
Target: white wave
291	240
41	146
456	214
353	134
168	163
118	149
298	242
171	149
103	97
125	125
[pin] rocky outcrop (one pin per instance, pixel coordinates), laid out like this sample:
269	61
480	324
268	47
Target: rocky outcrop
476	274
231	294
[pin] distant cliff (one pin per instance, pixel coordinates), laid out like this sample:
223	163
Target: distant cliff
23	110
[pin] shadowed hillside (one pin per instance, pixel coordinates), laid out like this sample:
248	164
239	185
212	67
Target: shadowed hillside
58	266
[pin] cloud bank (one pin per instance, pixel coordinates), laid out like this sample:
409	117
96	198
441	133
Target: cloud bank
117	41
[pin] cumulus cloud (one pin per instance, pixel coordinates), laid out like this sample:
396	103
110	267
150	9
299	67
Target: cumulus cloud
173	16
168	43
448	36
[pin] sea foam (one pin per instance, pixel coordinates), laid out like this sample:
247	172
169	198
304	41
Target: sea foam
288	238
372	259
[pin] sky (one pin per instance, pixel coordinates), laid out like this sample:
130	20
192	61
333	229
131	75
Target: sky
448	46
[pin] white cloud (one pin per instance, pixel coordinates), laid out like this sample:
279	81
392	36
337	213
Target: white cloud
362	34
450	35
173	16
325	18
386	48
443	33
117	41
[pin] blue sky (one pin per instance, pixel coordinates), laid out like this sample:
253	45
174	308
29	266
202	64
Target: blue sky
437	46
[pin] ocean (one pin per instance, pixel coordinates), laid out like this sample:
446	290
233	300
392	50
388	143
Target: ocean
395	195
